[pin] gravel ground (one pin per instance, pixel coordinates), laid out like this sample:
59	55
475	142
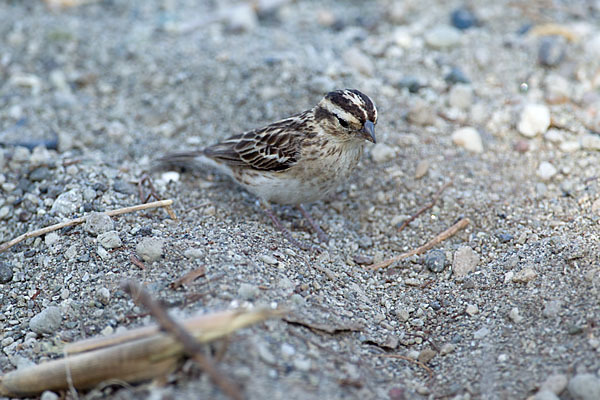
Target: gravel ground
507	109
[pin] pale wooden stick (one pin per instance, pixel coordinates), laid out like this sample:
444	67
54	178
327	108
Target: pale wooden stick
81	220
420	250
134	356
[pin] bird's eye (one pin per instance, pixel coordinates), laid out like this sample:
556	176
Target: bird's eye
343	123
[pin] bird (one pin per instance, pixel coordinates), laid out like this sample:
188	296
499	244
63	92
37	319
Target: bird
297	160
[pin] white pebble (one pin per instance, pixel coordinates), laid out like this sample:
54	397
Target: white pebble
546	171
584	387
267	259
545	395
468	138
51	239
590	142
359	61
535	119
465	261
515	316
170	176
442	36
110	240
97	223
381	153
150	249
525	275
481	333
47	321
555	383
472	309
460	96
241	18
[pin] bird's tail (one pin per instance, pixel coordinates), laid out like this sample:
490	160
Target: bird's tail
185	161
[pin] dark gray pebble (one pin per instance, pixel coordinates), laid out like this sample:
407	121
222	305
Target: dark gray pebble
435	260
456	75
551	51
6	272
463	18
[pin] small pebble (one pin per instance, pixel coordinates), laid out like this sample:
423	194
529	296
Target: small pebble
67	203
103	295
465	261
534	119
472	309
527	274
545	395
596	207
422	168
426	355
463	18
435	260
504	237
515	316
551	50
456	75
97	223
461	96
47	321
447	348
382	152
481	333
302	364
468	138
247	291
555	383
150	248
590	141
267	259
241	18
110	240
552	308
48	395
6	272
584	387
442	36
194	253
546	171
411	83
51	238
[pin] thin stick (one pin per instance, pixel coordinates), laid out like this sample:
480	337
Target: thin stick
81	220
420	250
435	199
412	360
191	346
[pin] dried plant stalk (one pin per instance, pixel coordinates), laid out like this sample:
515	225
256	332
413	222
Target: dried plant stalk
132	356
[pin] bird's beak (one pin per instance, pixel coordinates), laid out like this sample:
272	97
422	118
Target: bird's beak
368	131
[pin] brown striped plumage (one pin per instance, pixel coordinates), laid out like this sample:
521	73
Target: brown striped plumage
299	159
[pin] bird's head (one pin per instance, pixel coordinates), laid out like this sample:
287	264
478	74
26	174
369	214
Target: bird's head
348	114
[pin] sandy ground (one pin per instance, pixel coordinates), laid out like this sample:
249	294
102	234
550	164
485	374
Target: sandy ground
503	308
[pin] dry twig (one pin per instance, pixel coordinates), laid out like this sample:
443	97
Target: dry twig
188	277
132	356
81	220
435	199
191	347
420	250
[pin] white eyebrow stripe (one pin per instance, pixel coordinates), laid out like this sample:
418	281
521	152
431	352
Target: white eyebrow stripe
340	112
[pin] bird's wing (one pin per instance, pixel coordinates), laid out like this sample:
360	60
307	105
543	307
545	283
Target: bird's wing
273	148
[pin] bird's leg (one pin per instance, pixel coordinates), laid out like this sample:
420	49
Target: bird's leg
320	233
266	207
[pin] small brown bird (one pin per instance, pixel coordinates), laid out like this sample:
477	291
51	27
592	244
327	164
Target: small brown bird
297	160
